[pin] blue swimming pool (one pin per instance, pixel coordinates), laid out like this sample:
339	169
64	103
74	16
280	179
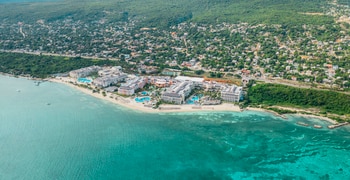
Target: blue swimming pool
84	80
193	100
142	99
144	93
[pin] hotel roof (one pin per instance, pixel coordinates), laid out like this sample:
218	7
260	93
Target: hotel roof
186	78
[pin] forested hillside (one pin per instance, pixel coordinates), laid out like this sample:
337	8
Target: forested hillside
43	66
168	12
275	94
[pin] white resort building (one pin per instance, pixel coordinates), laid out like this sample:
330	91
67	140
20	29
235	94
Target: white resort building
132	85
106	81
232	93
83	72
177	93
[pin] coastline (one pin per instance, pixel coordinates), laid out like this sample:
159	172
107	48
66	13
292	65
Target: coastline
131	104
333	122
167	108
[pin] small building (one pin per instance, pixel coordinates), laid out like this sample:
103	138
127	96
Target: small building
171	72
148	69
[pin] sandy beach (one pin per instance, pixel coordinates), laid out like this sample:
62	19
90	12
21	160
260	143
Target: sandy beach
131	104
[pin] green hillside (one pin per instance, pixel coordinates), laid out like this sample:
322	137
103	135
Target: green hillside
169	12
276	94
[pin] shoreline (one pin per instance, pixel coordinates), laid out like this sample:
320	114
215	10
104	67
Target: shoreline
167	108
322	118
131	104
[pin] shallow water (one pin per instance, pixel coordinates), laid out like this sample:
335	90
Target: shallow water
52	131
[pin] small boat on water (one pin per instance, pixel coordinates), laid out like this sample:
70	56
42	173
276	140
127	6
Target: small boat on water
302	124
18	90
48	104
317	126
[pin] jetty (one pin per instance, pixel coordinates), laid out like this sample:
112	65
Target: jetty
337	125
317	126
302	124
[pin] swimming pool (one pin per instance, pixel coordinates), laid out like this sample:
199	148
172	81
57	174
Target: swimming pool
84	80
193	100
144	93
142	99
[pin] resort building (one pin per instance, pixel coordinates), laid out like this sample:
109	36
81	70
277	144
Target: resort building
232	93
106	81
108	71
132	85
177	93
211	86
125	90
83	72
198	82
160	81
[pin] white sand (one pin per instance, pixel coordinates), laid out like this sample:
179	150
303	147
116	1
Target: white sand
130	103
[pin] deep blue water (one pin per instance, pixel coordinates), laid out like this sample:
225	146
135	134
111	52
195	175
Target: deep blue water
80	137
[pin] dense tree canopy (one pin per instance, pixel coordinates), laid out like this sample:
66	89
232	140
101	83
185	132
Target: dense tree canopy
274	94
43	66
165	12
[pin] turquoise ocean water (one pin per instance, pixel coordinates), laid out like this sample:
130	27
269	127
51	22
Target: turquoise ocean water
24	1
52	131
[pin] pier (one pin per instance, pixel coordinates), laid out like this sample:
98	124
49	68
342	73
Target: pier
302	124
337	125
317	126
